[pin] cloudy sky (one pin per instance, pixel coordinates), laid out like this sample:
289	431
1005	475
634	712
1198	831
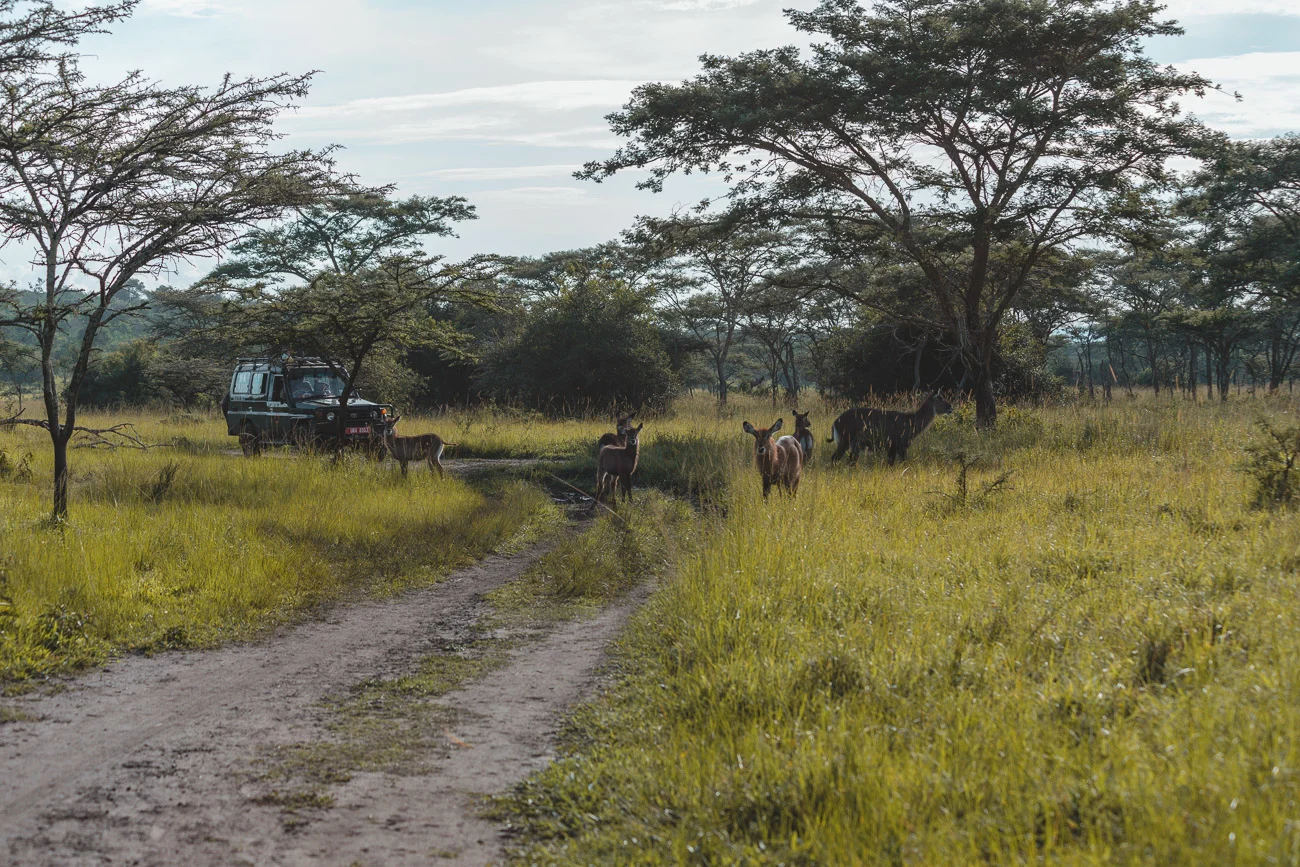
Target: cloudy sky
500	100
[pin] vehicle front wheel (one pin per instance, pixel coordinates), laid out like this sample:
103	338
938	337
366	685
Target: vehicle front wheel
250	441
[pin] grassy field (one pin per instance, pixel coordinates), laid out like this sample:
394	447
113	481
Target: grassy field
1094	661
1072	640
190	545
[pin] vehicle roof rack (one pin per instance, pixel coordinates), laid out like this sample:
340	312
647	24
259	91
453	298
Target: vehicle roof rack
293	361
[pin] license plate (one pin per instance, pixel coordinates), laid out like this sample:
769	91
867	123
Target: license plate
357	430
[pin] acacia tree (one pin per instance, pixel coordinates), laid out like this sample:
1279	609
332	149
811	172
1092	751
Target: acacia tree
346	278
941	128
107	183
1242	182
713	276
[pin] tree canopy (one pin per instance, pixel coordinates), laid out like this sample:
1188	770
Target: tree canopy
940	130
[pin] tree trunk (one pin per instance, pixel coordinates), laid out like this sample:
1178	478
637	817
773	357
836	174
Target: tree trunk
60	512
1151	360
986	407
916	363
720	362
1209	376
1225	376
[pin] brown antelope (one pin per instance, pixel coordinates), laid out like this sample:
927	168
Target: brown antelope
779	463
427	447
619	437
803	433
615	466
865	427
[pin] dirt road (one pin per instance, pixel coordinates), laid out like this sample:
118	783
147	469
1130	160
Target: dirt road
196	758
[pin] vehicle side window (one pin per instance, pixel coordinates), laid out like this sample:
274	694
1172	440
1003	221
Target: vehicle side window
259	383
242	380
277	389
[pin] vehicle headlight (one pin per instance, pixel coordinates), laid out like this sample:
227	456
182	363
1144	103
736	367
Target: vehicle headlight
374	414
329	416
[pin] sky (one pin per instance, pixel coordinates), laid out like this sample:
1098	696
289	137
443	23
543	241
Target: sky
501	100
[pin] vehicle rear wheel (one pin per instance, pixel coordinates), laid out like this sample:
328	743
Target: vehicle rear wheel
250	441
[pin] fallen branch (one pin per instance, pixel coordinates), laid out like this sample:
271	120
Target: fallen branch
93	437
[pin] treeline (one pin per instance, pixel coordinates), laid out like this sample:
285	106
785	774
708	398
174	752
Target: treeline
1205	296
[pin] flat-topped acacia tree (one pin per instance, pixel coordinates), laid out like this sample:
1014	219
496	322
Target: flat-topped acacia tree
941	129
109	182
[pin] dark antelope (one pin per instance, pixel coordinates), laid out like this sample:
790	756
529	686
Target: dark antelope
619	437
864	427
615	466
803	433
426	447
780	462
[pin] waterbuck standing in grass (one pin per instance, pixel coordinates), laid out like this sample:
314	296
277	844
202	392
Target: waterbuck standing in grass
615	466
619	437
803	433
427	447
865	427
779	462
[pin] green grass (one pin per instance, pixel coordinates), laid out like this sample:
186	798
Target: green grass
191	546
1097	661
597	566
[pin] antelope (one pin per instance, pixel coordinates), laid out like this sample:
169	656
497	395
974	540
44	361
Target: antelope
779	463
619	437
803	433
615	466
865	427
427	447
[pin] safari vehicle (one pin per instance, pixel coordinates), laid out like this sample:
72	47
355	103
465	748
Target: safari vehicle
284	400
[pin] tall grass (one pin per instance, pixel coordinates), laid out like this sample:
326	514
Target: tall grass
188	546
1096	661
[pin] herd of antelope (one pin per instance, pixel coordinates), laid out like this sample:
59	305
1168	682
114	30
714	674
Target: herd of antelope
780	462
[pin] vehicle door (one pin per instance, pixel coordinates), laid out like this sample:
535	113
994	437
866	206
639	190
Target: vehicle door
279	416
240	405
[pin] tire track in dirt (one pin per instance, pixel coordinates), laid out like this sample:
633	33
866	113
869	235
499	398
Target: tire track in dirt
148	761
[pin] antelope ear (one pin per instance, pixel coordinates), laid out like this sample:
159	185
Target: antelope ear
776	427
631	415
638	427
749	428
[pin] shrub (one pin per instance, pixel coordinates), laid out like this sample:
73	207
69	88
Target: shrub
596	346
1271	464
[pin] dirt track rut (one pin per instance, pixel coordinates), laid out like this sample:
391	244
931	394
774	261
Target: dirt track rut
148	762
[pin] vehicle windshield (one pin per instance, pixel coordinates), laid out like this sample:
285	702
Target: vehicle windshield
307	384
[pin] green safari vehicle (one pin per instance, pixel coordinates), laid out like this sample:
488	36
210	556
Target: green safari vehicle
284	400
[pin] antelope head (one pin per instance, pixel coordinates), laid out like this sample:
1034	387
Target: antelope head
801	421
941	406
764	448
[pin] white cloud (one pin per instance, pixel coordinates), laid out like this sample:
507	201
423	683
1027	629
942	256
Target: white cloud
1268	83
1182	8
187	8
538	113
705	5
502	173
534	197
535	95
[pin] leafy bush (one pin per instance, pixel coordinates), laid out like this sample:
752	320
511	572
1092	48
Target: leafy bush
595	347
1272	466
